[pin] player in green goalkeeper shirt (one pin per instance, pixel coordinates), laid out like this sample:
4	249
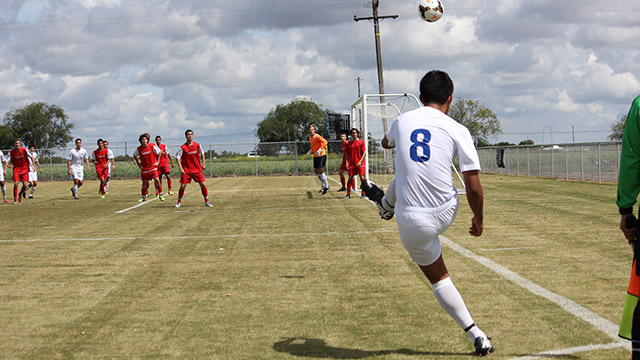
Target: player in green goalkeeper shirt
628	189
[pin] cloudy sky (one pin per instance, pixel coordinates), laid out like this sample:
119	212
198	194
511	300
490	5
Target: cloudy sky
550	70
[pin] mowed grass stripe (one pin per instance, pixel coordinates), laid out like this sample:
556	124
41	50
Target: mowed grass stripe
340	286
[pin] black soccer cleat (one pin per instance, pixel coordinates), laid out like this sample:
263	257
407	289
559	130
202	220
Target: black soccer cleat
375	194
482	346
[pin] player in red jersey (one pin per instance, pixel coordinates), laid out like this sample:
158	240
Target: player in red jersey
147	157
165	159
100	158
20	162
190	157
357	154
343	166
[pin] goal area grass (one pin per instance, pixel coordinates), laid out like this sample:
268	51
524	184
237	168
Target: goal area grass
275	270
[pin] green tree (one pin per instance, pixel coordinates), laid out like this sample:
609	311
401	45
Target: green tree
526	142
617	129
480	120
5	138
290	122
39	124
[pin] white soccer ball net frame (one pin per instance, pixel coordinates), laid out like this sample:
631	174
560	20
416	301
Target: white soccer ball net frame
376	113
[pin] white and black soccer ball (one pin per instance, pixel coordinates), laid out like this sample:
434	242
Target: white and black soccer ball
430	10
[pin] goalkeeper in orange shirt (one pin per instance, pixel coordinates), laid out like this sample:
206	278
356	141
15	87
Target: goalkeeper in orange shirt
318	143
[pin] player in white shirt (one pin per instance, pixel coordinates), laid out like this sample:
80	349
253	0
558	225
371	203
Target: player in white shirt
422	191
3	164
111	164
76	159
33	174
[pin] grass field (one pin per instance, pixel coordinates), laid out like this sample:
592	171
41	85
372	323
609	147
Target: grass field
277	271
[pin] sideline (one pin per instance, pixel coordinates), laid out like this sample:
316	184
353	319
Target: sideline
573	308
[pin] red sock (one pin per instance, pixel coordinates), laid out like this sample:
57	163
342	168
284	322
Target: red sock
169	183
342	180
102	188
352	183
181	193
205	192
158	185
15	193
145	187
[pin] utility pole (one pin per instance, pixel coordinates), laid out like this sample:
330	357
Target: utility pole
376	31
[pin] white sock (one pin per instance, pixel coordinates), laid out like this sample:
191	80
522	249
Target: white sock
33	189
389	199
323	180
451	301
106	186
4	191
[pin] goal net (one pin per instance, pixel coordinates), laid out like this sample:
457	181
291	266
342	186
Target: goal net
373	115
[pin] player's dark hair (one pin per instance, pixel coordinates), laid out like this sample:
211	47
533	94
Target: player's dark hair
99	140
185	133
357	131
158	137
145	135
436	87
78	139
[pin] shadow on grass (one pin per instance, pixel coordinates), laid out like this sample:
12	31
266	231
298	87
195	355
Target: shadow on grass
318	348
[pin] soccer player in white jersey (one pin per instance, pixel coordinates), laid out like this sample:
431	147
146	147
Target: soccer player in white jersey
33	174
422	191
77	156
111	165
3	164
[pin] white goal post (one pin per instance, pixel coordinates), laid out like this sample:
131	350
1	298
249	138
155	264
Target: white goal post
373	114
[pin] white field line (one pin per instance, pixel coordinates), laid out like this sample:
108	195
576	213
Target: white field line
136	206
207	210
575	309
510	249
569	351
306	234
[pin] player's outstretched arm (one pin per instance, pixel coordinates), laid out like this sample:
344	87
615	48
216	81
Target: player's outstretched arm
475	198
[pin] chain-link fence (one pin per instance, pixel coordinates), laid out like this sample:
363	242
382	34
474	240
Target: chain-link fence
599	161
585	161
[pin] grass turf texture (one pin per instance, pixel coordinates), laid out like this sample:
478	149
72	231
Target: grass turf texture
277	271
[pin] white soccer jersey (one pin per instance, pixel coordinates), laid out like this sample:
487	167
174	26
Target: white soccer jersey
426	142
109	157
77	158
32	165
2	161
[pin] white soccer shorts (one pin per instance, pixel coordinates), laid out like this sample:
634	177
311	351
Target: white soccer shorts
419	229
33	176
77	174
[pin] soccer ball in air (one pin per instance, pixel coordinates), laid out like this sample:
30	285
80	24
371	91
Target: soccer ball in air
430	10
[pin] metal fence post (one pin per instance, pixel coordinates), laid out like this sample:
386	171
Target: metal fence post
599	165
528	162
553	163
255	152
295	150
539	160
566	162
581	163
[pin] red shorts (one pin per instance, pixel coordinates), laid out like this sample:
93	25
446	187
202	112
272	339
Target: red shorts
356	170
102	173
186	178
164	169
343	167
146	176
20	176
